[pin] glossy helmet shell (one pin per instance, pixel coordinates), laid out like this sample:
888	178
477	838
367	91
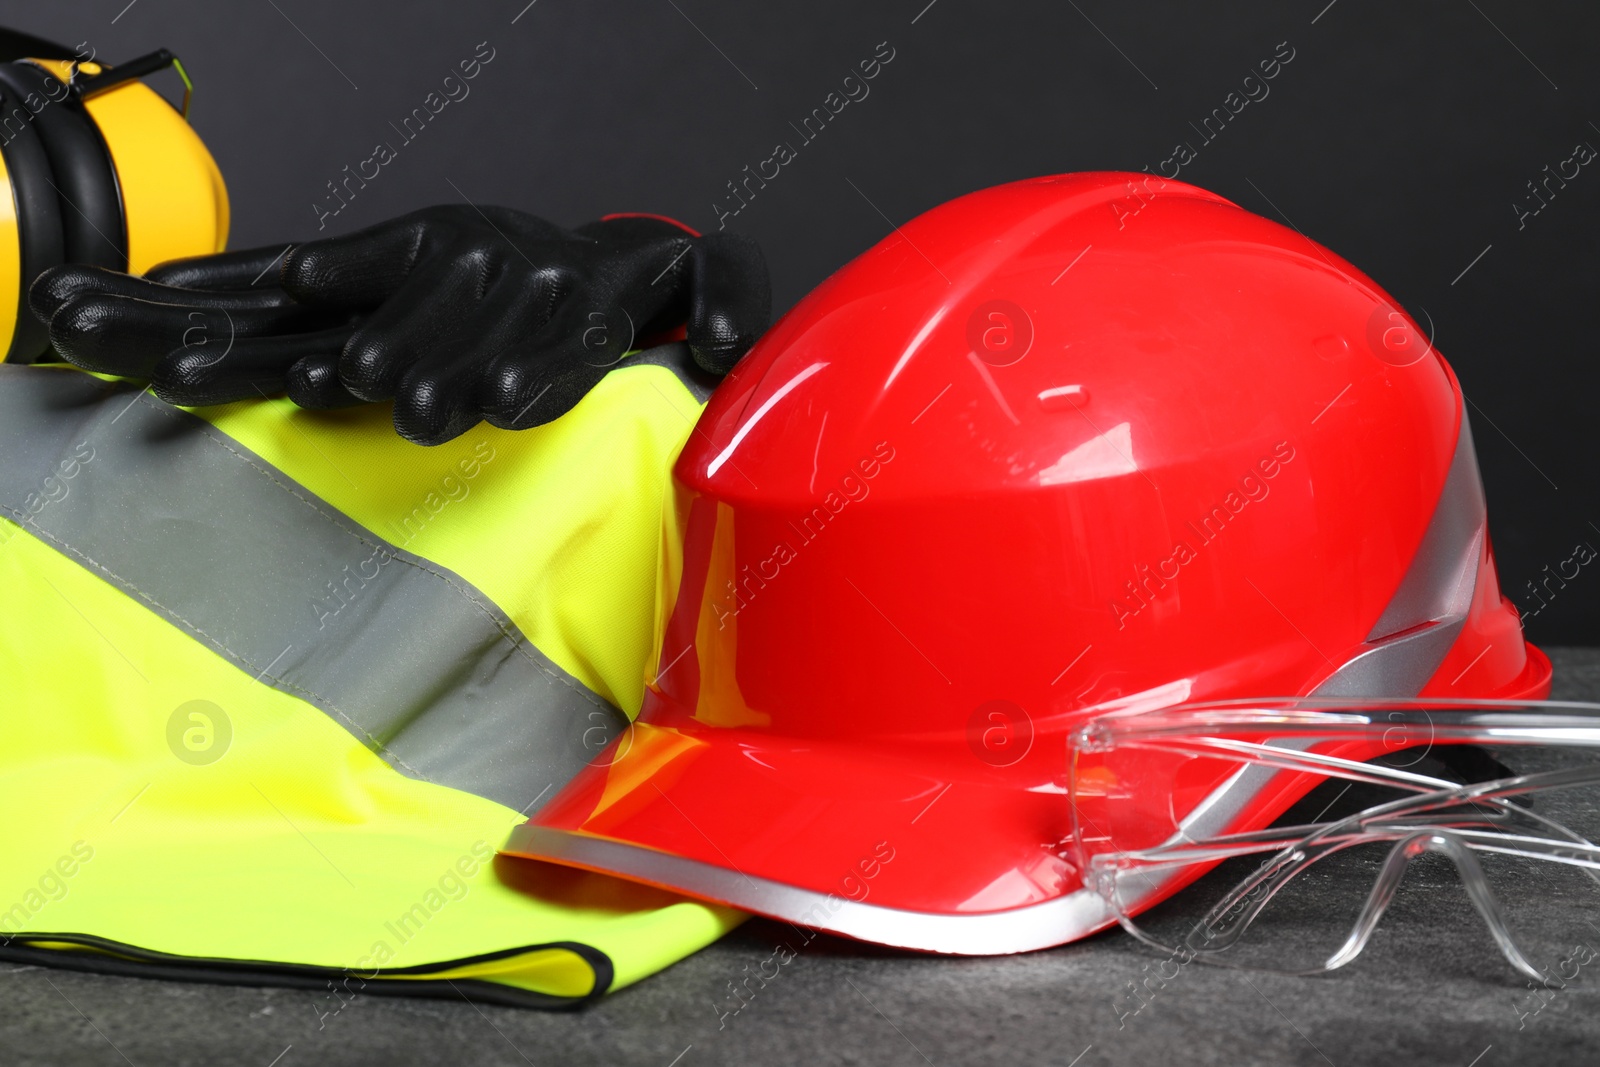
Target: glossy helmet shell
1081	443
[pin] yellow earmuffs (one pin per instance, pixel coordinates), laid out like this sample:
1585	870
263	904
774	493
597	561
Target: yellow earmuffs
97	168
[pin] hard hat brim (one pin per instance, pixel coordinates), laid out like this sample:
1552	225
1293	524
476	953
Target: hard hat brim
922	853
825	836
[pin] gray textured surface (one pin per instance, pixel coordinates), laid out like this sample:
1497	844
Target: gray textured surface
1438	997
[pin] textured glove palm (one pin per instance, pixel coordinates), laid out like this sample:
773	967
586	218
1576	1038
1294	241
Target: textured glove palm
458	314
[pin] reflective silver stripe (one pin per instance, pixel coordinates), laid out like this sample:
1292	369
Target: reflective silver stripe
407	655
1427	612
1052	922
676	357
1430	605
1398	667
1444	570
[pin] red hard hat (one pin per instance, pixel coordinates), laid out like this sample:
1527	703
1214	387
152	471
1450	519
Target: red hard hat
1067	445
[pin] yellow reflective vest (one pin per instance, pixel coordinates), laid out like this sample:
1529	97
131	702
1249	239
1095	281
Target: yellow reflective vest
275	684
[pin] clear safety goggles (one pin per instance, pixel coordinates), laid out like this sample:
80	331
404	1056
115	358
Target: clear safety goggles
1274	836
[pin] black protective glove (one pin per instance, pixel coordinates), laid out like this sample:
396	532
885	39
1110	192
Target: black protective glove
459	314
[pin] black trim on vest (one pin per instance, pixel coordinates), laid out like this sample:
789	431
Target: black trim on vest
115	957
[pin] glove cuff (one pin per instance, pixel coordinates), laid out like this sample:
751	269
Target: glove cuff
690	230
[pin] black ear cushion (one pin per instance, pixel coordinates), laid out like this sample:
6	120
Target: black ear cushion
15	45
92	224
39	230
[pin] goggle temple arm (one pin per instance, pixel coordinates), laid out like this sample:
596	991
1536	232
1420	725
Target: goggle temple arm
1419	824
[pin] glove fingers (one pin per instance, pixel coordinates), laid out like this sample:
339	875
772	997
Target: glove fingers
530	384
718	284
127	336
313	382
527	387
360	269
243	269
246	369
635	291
58	285
426	310
437	399
730	302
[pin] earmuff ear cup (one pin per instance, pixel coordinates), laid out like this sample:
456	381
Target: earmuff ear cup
75	156
40	236
81	171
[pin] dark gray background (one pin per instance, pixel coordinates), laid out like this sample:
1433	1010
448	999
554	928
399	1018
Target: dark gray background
1401	135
